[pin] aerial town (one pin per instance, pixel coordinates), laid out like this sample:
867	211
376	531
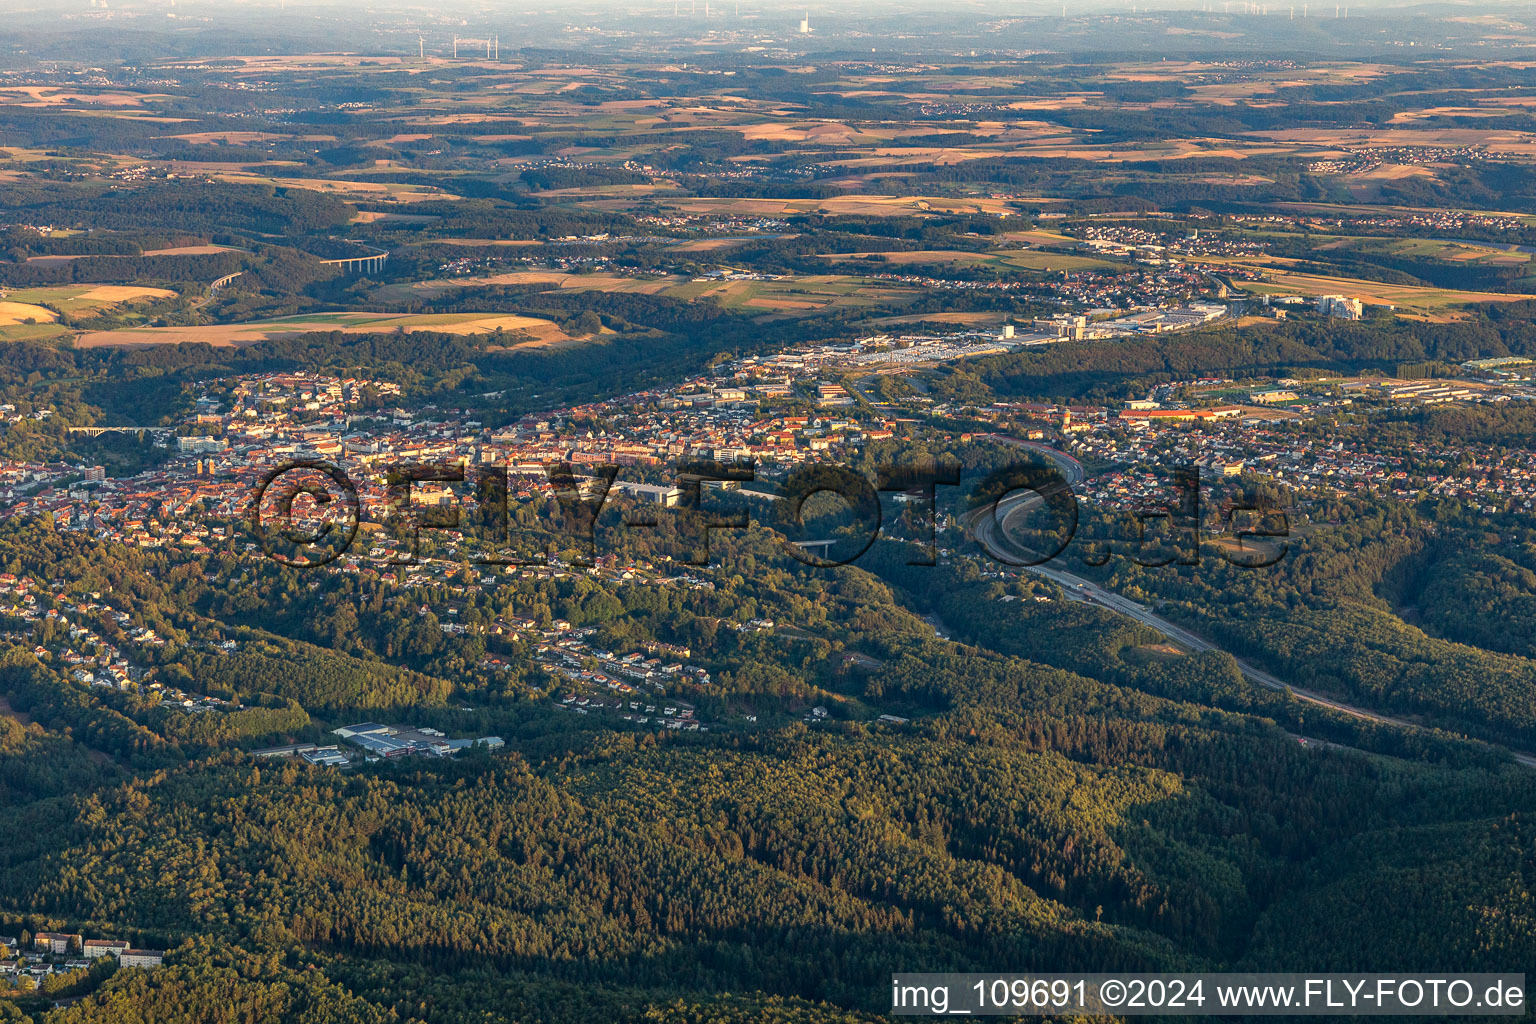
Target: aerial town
681	512
241	427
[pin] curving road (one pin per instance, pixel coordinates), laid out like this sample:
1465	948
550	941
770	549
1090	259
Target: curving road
990	530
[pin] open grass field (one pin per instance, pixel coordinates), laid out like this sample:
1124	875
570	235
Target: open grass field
33	332
539	332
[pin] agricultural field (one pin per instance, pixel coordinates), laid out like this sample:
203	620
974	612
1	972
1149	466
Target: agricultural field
33	314
86	298
1015	259
387	192
791	296
537	332
797	296
1406	297
1488	253
25	321
15	312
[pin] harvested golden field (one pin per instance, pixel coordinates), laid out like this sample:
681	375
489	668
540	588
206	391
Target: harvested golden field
822	132
189	250
114	293
374	191
1395	172
1039	236
708	245
1068	102
47	96
1408	116
481	243
375	216
12	313
967	319
1495	140
86	298
237	137
542	332
1415	297
573	282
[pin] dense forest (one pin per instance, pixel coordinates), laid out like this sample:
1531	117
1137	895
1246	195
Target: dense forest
1060	799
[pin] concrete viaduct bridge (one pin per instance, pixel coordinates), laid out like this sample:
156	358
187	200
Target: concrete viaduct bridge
138	431
369	264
